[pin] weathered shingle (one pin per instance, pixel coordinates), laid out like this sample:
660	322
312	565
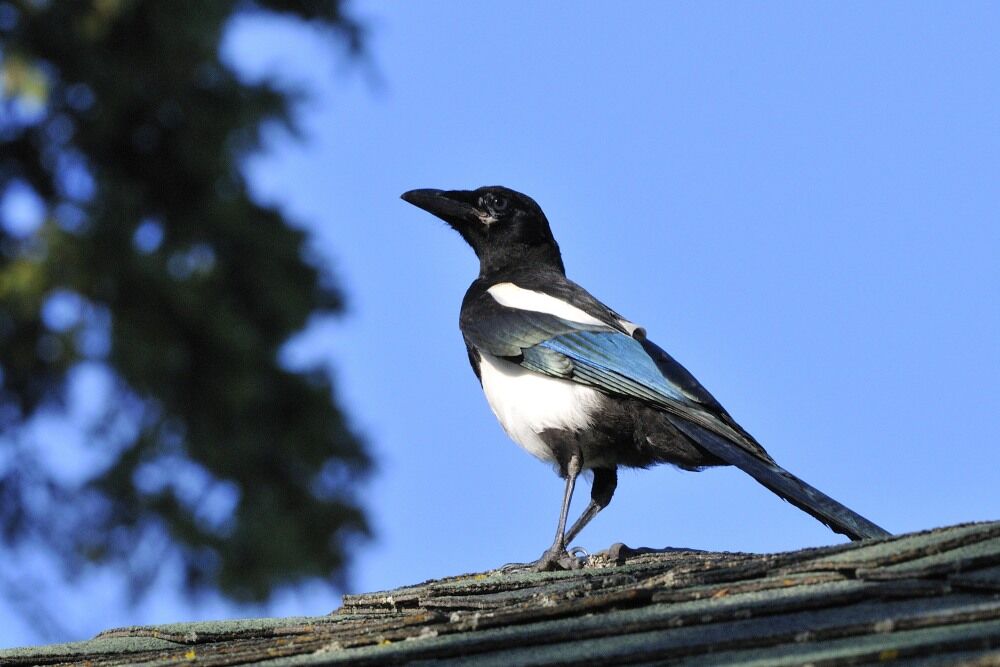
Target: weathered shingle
925	598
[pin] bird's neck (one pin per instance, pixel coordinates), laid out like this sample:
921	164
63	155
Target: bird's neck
500	261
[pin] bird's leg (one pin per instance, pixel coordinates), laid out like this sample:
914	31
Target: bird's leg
556	556
601	492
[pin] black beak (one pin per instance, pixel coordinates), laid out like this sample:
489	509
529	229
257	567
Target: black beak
455	207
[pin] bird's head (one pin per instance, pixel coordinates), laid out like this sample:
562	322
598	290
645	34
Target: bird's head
506	228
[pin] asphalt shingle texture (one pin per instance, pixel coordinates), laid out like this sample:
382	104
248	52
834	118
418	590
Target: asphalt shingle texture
929	598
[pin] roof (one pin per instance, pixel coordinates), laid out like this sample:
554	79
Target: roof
925	598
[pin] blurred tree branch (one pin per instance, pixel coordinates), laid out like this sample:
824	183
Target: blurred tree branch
131	252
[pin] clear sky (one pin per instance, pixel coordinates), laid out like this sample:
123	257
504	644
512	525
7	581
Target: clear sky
800	201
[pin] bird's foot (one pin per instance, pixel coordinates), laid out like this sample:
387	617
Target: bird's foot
553	559
557	558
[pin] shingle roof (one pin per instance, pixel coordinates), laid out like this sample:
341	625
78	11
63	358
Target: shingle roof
925	598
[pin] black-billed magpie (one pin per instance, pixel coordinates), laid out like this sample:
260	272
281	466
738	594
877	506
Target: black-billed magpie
579	386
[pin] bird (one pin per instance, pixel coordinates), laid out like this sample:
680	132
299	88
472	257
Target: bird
581	387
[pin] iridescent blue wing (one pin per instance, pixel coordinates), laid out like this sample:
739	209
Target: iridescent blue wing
622	365
599	356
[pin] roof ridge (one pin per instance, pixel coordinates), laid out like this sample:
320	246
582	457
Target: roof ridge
933	592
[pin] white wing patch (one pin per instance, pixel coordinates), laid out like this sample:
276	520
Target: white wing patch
528	403
512	296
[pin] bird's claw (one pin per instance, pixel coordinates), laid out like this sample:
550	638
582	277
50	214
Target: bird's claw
553	559
514	567
557	558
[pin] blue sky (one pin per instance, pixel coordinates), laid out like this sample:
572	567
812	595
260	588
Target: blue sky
798	200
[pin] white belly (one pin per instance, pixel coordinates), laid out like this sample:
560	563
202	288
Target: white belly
528	403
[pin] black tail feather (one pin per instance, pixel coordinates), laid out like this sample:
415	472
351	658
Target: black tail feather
783	483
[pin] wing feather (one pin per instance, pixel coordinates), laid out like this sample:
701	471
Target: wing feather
620	364
602	357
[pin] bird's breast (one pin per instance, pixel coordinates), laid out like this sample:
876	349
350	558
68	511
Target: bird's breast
529	405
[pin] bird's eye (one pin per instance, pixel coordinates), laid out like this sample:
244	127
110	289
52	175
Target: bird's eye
496	204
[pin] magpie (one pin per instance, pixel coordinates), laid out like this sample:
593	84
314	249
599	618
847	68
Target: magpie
578	385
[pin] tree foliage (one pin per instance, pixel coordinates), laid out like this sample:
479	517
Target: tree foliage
129	243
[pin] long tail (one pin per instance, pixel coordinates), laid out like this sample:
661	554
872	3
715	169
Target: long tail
808	499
